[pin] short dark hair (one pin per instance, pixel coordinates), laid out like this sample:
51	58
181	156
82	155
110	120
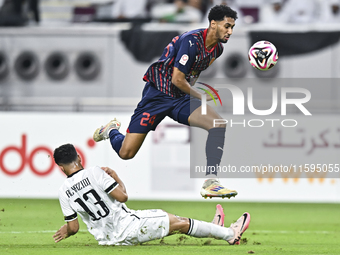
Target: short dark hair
65	154
218	12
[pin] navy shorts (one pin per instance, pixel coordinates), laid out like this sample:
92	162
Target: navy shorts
156	105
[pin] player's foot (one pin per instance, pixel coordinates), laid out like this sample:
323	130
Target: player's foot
219	216
103	132
239	227
213	188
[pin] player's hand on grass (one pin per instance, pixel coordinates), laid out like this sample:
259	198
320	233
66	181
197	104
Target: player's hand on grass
60	234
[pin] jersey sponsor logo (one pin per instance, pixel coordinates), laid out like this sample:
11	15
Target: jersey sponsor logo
184	59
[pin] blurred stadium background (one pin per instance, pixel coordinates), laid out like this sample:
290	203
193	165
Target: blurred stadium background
67	66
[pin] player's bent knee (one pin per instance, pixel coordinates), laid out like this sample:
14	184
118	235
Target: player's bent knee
178	224
126	154
184	225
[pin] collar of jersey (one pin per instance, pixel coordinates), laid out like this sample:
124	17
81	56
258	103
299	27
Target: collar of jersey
204	36
74	173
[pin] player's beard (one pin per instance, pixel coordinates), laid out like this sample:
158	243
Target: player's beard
220	38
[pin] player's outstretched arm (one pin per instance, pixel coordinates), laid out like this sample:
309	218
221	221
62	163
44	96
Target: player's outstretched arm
118	193
178	78
69	229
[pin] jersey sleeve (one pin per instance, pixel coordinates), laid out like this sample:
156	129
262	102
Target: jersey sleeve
106	182
68	212
186	55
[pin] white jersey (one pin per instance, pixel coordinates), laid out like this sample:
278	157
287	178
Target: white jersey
86	192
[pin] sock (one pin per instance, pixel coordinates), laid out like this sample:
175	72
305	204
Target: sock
214	148
204	229
116	139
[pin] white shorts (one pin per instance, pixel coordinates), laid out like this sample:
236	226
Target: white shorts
146	226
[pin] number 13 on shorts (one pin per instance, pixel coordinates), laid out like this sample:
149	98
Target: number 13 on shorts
146	120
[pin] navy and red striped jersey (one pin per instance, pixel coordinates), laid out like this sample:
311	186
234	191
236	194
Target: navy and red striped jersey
188	53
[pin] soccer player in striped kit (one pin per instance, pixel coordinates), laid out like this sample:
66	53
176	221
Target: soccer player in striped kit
168	92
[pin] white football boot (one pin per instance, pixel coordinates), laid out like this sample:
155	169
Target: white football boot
103	132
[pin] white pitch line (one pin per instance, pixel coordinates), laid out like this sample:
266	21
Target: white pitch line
293	232
33	232
250	230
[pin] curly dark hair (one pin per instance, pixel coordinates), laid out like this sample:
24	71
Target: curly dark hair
65	154
218	12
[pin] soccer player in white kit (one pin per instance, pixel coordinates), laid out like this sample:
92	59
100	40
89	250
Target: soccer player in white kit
98	196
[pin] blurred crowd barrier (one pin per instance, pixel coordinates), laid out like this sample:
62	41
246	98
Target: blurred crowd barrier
99	67
23	12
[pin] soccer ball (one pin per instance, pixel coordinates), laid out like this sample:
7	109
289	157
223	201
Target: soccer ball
263	55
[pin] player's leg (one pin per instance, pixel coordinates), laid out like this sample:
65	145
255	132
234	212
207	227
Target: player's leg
126	146
130	145
182	224
202	229
216	135
150	111
154	224
140	125
214	150
188	112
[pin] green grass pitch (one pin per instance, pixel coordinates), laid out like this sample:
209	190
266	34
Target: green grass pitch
27	226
